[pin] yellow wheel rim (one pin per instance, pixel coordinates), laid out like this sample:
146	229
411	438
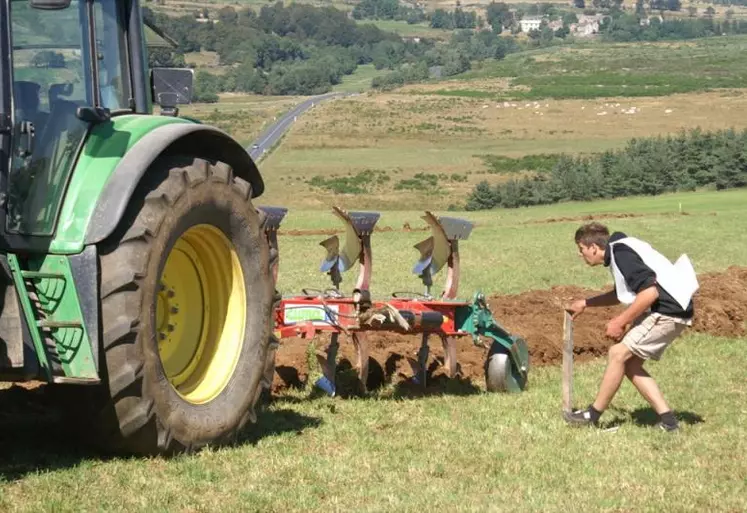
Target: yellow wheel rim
201	313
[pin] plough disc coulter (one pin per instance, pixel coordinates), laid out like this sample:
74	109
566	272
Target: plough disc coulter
358	313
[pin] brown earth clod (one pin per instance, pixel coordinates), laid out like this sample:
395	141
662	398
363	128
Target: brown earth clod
338	231
589	217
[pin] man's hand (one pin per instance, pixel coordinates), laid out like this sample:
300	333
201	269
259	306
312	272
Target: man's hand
576	308
615	329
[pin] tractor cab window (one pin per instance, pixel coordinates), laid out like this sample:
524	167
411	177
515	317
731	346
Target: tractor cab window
50	81
110	46
63	60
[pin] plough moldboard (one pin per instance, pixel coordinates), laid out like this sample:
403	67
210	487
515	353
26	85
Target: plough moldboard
357	314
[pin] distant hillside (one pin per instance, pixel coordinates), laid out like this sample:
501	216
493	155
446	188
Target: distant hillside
303	49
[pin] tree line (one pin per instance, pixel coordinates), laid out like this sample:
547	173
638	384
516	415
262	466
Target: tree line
456	19
646	166
302	49
388	10
393	10
293	49
464	48
627	27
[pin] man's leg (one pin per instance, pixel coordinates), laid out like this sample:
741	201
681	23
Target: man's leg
662	331
617	357
645	384
648	388
648	338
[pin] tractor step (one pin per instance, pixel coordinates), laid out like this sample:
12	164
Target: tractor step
64	380
36	275
59	324
50	304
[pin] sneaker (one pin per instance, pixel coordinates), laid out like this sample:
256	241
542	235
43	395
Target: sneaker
579	418
667	427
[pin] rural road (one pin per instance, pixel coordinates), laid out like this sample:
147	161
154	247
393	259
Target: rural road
272	134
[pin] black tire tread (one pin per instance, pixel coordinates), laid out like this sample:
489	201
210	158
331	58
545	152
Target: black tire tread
125	258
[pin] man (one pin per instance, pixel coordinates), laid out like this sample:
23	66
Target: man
659	298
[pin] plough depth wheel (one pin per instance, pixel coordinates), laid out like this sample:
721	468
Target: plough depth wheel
502	374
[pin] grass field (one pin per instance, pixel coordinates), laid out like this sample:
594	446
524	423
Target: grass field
458	449
359	80
461	450
401	136
592	70
405	29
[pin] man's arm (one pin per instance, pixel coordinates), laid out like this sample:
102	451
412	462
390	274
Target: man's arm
607	299
643	301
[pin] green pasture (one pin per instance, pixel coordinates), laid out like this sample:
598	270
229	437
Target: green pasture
359	80
461	450
593	70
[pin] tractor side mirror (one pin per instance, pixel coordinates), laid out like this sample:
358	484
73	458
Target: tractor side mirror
171	87
50	5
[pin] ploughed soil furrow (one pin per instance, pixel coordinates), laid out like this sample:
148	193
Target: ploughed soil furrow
720	309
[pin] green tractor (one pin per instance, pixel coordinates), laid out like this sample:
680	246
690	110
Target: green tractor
137	273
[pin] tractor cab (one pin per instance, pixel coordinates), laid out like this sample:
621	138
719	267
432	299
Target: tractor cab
67	65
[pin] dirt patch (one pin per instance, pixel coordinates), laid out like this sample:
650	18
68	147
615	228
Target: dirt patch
721	309
336	231
721	303
298	233
624	215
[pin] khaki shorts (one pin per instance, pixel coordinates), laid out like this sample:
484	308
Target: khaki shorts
652	333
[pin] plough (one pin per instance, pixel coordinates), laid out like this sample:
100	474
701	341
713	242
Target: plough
357	314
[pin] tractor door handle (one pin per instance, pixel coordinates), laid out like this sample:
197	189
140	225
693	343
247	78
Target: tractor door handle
6	125
26	144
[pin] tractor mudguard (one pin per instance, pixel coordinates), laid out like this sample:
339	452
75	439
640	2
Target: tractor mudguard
114	159
194	139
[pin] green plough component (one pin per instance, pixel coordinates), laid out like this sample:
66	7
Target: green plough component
477	319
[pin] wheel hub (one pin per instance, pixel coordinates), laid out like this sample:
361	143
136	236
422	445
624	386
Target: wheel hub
200	313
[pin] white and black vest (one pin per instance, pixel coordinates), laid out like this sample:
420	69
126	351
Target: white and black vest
678	279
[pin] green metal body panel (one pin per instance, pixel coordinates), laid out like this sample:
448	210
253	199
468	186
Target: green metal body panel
477	320
102	151
49	300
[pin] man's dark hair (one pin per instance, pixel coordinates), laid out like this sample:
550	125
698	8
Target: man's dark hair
593	233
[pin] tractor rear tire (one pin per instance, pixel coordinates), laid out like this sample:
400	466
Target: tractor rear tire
186	299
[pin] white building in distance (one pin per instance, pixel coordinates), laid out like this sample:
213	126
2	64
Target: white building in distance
530	23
